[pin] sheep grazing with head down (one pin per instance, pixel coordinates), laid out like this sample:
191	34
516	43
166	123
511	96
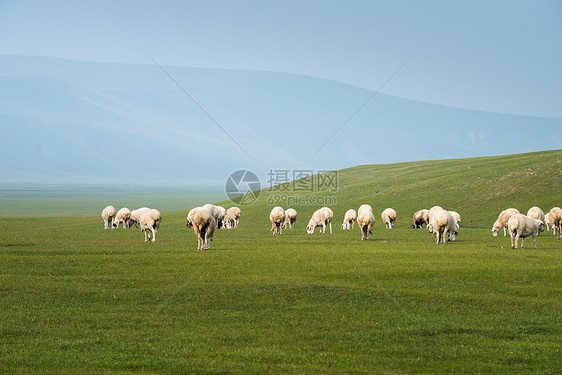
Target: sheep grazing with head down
548	222
365	220
290	218
277	218
536	213
502	220
555	216
123	216
217	213
204	225
388	217
232	218
135	216
420	218
320	218
456	216
441	224
521	226
149	223
349	219
222	223
108	214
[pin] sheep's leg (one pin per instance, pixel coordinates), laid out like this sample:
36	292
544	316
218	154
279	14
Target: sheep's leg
516	239
535	242
330	227
153	234
522	242
145	236
504	231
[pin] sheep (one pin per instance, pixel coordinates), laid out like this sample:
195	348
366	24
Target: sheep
135	216
520	225
365	220
502	220
216	212
549	224
349	219
432	210
536	213
456	216
556	219
232	217
108	214
388	217
420	218
204	225
442	223
321	217
277	218
222	222
123	216
150	221
290	218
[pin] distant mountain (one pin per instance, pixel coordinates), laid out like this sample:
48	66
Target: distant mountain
86	122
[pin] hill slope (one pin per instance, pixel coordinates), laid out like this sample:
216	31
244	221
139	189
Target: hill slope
478	188
84	122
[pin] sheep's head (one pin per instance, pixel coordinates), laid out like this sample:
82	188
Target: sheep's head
496	228
188	223
454	235
310	229
541	226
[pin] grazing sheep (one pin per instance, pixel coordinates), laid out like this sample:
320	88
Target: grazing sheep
388	217
222	223
549	223
536	213
277	218
135	216
204	225
290	218
232	217
321	217
365	220
502	220
421	218
432	210
349	219
108	214
556	219
523	226
150	221
456	216
123	216
441	223
216	212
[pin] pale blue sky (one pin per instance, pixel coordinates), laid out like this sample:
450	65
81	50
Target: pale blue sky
503	56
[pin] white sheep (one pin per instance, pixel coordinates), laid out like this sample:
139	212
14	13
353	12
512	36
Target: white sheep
365	220
216	212
108	214
536	213
420	218
432	210
232	217
442	223
349	219
520	225
123	216
502	220
222	223
556	219
204	225
320	218
149	223
388	217
548	222
290	218
135	216
456	216
277	218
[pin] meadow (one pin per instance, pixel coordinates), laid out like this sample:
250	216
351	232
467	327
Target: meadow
76	298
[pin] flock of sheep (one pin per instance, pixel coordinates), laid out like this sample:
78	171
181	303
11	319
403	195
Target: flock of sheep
442	223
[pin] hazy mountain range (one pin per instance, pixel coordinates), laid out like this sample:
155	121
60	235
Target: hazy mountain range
86	122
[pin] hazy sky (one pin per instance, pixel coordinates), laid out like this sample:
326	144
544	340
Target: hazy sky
503	56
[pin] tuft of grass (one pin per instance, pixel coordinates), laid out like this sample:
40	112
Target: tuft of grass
76	298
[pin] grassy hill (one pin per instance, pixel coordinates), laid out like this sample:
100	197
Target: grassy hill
75	298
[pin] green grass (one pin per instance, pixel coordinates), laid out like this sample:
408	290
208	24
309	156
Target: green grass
75	298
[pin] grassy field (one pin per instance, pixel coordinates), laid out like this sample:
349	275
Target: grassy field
75	298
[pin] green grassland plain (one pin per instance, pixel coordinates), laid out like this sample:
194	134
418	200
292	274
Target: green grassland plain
75	298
